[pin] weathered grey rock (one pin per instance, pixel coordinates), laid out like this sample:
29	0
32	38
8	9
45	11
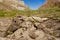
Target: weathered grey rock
16	21
29	19
27	24
20	34
4	25
41	35
36	34
9	5
1	38
38	25
3	34
57	30
17	34
38	19
30	28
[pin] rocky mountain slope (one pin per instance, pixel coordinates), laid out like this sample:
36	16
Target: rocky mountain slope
12	5
29	28
51	3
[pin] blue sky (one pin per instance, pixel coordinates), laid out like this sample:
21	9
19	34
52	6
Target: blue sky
34	4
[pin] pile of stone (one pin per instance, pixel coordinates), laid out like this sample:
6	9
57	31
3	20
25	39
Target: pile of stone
29	28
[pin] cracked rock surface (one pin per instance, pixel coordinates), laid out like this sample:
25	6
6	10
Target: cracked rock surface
29	28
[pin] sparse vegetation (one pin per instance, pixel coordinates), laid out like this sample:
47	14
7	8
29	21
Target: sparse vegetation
48	12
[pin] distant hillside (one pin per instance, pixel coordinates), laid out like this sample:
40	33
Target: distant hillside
12	5
51	3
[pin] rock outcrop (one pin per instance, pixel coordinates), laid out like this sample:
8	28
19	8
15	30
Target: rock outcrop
30	28
4	25
12	5
51	3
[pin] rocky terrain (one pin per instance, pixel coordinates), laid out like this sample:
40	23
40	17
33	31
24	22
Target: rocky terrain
12	5
29	28
51	3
